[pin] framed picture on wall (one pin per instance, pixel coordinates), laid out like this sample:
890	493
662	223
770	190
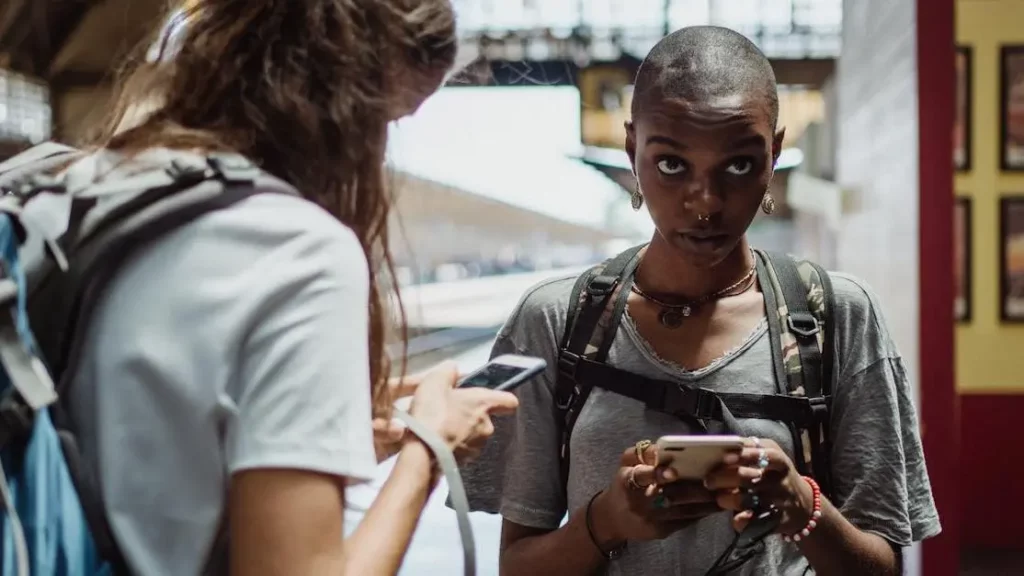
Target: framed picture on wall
1011	96
1011	258
962	259
962	123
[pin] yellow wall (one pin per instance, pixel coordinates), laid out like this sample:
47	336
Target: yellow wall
989	354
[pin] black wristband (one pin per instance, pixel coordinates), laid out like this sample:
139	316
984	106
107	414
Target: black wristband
612	554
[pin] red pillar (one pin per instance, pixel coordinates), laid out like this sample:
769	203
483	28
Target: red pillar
939	403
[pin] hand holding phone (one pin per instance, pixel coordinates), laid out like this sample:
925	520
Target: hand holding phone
460	416
504	373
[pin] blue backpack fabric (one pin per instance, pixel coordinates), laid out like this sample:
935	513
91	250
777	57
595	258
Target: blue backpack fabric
53	521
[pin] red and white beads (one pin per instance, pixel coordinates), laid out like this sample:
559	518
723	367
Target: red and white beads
815	514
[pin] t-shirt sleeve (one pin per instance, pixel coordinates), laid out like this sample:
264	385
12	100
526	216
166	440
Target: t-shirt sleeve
303	392
518	473
881	481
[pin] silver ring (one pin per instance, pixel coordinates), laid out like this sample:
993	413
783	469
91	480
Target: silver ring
762	459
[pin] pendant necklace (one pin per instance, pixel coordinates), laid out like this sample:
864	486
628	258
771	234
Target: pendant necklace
672	315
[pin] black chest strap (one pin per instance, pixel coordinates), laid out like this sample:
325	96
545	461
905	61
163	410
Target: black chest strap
688	402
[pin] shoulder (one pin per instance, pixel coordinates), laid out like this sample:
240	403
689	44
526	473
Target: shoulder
540	313
280	239
268	255
862	332
276	221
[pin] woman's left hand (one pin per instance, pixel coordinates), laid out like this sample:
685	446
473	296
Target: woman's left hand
778	483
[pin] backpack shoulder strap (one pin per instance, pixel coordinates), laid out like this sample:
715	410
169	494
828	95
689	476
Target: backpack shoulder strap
35	154
27	169
801	296
596	305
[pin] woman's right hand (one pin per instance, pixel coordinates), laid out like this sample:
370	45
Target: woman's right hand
647	508
460	416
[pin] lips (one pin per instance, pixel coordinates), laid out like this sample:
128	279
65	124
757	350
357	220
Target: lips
703	242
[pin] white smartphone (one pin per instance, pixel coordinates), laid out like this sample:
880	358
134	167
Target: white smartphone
505	372
692	457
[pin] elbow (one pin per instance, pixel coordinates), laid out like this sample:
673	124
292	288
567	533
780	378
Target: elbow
507	566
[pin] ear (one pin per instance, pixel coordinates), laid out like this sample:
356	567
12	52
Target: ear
631	143
780	136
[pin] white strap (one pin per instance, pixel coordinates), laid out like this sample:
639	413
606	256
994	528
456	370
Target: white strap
457	491
18	532
28	374
35	154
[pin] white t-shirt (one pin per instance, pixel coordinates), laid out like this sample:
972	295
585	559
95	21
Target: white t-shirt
237	342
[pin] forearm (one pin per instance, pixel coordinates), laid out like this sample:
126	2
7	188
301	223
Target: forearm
838	548
379	544
567	551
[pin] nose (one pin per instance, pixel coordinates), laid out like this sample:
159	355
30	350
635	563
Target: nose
702	197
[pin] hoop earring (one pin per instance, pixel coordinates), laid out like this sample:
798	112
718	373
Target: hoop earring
767	203
636	198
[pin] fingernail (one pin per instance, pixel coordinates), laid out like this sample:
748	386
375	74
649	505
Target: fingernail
668	474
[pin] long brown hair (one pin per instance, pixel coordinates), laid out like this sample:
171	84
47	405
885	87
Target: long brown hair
306	88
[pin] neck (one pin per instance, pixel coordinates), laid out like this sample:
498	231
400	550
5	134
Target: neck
662	271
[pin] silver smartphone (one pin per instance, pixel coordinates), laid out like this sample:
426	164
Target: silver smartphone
504	373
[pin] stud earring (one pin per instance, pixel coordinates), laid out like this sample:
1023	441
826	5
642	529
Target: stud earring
636	198
767	203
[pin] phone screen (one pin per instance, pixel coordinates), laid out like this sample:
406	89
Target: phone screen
491	376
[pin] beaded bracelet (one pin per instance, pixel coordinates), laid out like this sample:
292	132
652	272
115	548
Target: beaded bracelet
815	513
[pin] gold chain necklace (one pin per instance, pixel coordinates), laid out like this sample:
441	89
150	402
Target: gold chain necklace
671	315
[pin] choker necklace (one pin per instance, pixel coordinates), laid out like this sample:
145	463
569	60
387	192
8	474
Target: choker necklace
671	315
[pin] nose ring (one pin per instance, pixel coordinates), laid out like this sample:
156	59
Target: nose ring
703	217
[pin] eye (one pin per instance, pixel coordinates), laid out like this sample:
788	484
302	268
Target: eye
740	167
670	166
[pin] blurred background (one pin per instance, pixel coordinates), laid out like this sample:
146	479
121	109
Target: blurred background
905	145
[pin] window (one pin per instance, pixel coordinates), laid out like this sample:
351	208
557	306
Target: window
24	108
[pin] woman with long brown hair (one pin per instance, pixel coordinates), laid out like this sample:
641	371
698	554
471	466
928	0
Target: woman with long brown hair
229	373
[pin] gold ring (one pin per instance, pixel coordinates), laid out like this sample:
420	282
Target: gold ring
640	448
631	480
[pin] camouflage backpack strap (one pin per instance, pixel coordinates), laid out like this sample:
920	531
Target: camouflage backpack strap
595	309
800	295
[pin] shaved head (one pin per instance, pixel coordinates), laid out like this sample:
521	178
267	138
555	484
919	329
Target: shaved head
700	63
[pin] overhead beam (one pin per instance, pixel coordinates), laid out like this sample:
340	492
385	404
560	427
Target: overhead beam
79	79
521	73
8	16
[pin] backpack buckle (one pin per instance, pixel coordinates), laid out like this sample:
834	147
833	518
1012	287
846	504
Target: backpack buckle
568	363
233	168
819	409
602	285
692	402
803	324
30	187
186	173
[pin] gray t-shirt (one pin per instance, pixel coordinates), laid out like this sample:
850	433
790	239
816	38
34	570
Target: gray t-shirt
880	478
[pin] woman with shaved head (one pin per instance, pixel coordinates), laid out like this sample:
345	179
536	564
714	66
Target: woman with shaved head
693	322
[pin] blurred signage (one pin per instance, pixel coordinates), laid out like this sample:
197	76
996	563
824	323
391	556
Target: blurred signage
606	93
